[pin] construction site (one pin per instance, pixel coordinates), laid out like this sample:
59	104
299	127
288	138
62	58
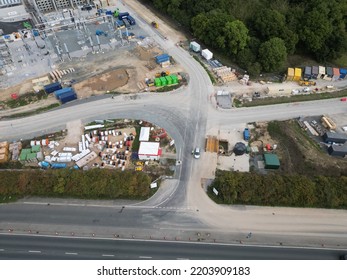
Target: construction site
95	53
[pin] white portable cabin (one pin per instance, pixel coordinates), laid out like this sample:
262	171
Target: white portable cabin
194	46
207	54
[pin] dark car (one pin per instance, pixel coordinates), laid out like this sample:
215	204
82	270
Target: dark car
86	8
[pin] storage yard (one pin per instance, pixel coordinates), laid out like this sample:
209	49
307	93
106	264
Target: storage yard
112	144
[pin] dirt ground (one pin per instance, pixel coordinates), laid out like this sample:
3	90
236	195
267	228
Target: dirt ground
102	83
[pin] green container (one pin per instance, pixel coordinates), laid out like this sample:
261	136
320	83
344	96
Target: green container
163	81
174	79
31	156
157	82
169	80
36	148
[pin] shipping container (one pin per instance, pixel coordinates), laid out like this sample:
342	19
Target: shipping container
343	73
57	93
126	23
123	15
52	87
336	74
329	72
162	58
68	96
290	74
315	72
321	72
308	72
131	20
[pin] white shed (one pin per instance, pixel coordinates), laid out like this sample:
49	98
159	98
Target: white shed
194	46
207	54
144	133
149	151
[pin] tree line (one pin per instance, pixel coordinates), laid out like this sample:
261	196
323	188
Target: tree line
259	34
92	184
279	190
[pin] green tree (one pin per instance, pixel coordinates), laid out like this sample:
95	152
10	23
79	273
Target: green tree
236	36
272	54
269	23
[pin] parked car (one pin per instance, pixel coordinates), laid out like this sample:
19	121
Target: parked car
307	89
196	153
87	8
344	99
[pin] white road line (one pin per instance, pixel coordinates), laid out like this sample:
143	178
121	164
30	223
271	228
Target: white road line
144	257
1	250
68	253
34	251
104	255
182	259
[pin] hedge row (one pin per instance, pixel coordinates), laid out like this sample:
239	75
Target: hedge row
92	184
279	190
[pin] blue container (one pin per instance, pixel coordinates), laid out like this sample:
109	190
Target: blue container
131	20
76	167
57	93
44	164
58	165
343	73
109	13
68	96
123	15
162	58
246	134
36	32
52	87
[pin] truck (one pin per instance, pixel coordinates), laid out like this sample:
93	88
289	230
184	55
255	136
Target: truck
155	24
123	15
307	83
246	134
126	22
131	20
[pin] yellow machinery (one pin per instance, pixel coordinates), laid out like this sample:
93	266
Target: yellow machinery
162	74
307	83
155	24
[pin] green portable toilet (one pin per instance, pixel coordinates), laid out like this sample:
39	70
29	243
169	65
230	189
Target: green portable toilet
23	154
157	82
169	80
35	148
163	81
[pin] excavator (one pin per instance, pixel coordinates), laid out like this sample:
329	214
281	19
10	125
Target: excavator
162	74
307	83
155	24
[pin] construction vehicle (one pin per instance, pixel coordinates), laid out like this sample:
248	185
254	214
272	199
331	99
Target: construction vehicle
155	24
162	74
307	83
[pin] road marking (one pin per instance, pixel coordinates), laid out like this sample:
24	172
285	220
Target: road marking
182	259
68	253
104	255
144	257
34	251
1	250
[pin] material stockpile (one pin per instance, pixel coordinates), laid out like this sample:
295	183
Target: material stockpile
4	152
225	74
14	149
244	80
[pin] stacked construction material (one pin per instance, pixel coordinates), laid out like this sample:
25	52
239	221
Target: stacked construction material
225	74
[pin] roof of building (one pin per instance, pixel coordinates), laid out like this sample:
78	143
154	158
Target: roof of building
335	135
271	159
149	148
144	133
339	148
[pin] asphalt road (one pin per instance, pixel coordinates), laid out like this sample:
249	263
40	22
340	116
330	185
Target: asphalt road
45	248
